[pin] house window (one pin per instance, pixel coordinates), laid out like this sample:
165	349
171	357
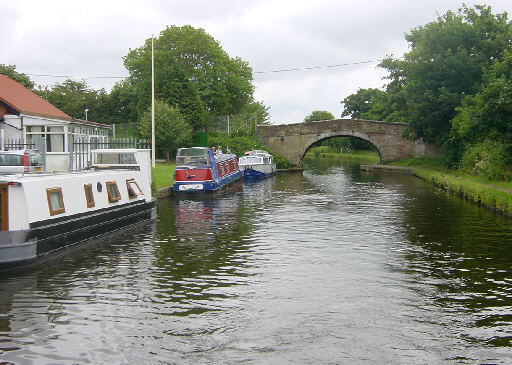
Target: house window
51	136
113	191
134	189
89	197
55	201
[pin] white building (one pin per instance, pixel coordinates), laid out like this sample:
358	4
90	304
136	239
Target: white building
29	121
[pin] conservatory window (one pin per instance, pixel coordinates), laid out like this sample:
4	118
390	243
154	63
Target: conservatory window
52	136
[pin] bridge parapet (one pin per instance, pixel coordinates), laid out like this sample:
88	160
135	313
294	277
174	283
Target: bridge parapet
293	140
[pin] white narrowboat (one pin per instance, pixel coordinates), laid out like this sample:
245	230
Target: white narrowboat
257	164
43	213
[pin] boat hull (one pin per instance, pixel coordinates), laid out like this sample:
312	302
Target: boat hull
255	173
47	238
207	187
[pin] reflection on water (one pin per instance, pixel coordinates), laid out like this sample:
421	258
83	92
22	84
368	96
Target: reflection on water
329	266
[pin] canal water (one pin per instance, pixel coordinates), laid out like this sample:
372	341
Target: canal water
328	266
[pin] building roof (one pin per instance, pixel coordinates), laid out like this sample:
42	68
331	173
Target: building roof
24	101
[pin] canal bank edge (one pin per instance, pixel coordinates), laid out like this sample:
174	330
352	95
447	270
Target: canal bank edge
490	196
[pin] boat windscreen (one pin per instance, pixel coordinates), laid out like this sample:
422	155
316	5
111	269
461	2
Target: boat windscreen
192	156
250	160
123	158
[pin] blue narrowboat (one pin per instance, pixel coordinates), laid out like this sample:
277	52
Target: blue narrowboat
200	170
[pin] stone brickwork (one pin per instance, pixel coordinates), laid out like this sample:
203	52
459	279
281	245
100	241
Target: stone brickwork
293	140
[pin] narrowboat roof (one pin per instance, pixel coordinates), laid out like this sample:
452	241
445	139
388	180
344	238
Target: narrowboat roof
19	178
258	152
119	150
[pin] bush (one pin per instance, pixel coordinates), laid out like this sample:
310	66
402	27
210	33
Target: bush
241	144
281	161
488	159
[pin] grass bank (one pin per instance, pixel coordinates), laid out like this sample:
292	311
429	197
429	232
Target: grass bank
163	175
364	157
495	195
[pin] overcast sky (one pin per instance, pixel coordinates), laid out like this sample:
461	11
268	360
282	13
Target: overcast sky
89	38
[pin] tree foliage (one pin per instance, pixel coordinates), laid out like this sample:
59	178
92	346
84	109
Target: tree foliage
445	63
371	104
192	72
73	97
10	71
171	129
488	113
453	88
317	115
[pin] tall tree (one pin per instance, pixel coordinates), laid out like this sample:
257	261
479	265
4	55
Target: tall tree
193	72
488	113
445	63
122	103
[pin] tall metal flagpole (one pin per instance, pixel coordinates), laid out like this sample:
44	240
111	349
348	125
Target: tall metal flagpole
152	103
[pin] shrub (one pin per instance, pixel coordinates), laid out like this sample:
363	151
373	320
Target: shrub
488	159
241	144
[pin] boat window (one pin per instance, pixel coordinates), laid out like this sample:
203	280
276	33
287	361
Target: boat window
55	201
113	191
120	158
251	160
221	169
134	189
193	156
89	197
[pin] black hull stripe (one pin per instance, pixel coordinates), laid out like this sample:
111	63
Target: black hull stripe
68	232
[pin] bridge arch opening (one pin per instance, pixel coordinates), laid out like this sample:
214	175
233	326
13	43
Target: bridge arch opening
341	144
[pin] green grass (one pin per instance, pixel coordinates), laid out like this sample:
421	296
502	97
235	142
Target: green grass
355	156
163	175
489	193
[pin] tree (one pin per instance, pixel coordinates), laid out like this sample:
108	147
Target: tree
445	64
122	103
73	97
259	109
317	115
488	113
372	104
192	72
10	71
171	129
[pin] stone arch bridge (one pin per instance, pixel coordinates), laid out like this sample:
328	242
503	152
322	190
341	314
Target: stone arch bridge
293	140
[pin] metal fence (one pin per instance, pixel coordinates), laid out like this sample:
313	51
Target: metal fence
8	144
79	151
234	125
